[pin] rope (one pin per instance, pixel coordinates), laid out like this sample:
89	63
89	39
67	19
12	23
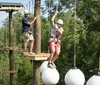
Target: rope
56	6
56	9
29	5
75	38
99	63
49	12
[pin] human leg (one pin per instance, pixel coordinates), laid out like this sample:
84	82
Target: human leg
25	46
57	52
52	48
31	45
25	41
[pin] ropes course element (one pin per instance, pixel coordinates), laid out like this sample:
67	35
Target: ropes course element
75	39
49	12
56	9
26	7
75	76
20	1
49	76
56	6
30	5
95	79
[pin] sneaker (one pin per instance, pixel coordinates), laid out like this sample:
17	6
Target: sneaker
50	65
31	53
24	52
53	65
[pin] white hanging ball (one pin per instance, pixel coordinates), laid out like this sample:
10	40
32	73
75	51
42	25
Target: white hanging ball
43	66
50	76
94	80
74	77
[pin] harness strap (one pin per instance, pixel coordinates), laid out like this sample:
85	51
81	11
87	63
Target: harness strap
54	41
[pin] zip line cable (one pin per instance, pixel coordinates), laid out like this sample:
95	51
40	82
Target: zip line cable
20	1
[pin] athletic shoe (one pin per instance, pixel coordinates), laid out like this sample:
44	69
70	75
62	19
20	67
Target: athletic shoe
31	53
50	65
24	52
53	65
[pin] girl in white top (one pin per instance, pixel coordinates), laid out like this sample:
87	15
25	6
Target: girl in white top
54	41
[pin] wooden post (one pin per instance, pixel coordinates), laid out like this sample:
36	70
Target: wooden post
11	58
37	43
37	28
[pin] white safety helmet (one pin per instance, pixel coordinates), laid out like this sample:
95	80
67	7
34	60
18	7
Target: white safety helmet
60	21
26	12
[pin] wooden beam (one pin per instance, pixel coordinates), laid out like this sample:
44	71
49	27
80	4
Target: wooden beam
10	8
37	57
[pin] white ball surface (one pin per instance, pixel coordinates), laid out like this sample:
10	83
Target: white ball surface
94	80
74	77
43	66
50	76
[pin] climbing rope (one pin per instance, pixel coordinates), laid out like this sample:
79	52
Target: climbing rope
56	10
75	39
49	12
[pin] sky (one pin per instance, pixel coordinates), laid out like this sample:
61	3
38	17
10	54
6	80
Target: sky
26	3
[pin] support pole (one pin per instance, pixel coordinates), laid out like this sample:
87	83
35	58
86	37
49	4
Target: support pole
37	28
37	43
11	58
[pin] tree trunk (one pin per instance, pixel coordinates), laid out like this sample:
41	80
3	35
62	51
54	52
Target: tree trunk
37	42
37	27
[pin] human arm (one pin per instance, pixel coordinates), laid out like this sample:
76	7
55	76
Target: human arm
32	21
53	18
59	30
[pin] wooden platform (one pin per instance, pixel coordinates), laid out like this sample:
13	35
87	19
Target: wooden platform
11	48
5	6
37	57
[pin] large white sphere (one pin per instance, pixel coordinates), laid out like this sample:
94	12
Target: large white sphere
94	80
50	76
74	77
43	66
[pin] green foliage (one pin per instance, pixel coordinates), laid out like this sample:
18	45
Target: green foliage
4	72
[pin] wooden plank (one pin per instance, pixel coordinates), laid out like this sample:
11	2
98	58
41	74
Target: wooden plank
40	56
12	71
11	48
10	8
